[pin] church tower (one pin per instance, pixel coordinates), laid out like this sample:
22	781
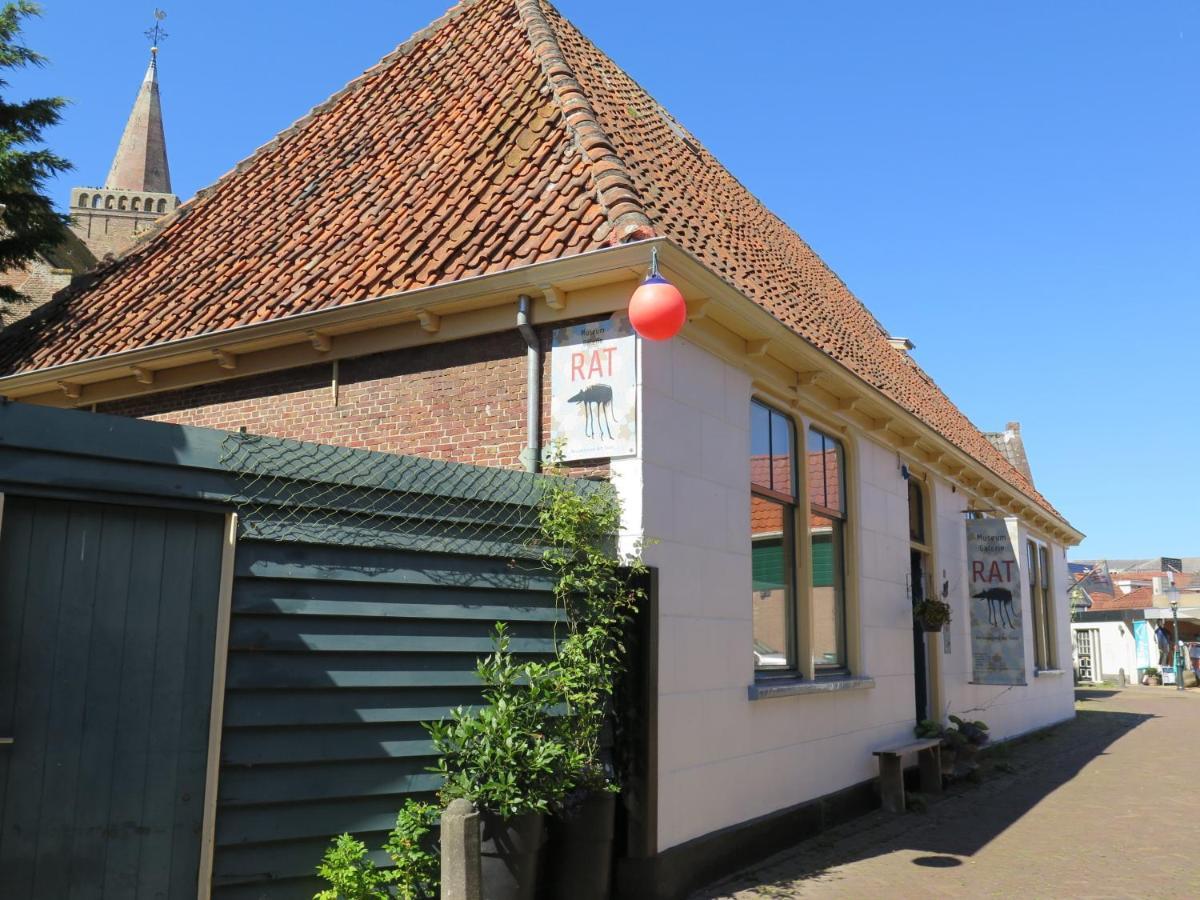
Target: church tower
138	188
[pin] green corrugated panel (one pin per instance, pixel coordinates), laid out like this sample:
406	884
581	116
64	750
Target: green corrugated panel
767	565
822	560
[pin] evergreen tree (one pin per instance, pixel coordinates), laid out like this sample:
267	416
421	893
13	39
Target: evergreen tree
28	223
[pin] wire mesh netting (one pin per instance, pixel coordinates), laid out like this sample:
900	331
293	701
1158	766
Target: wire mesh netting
290	490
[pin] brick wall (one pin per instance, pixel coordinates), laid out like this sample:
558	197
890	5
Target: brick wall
461	400
110	231
38	281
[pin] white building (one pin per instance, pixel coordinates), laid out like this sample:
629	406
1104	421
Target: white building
360	280
736	742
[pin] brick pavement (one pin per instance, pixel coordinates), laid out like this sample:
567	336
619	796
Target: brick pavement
1106	806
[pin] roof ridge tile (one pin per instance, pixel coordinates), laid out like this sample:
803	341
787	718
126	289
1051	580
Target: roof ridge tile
615	188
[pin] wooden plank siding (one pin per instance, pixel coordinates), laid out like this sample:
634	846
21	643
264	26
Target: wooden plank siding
336	656
345	633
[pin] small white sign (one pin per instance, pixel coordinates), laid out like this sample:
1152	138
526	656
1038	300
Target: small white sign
593	390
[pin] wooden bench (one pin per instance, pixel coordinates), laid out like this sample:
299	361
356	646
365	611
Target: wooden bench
891	770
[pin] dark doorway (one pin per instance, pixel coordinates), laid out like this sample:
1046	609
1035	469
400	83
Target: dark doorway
920	663
107	631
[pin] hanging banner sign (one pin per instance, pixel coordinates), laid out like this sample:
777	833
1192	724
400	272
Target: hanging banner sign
994	593
1141	643
593	391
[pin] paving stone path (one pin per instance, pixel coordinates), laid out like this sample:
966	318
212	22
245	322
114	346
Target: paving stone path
1105	806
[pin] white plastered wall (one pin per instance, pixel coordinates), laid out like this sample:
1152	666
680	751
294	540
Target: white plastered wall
724	758
1009	711
1115	650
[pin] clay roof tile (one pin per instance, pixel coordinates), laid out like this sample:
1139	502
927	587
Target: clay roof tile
438	160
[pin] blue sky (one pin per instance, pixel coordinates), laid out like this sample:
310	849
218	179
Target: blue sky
1013	186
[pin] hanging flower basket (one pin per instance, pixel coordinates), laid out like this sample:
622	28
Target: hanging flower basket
932	614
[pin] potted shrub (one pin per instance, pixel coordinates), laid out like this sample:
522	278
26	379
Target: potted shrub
593	586
932	613
956	750
928	728
974	736
1152	676
510	760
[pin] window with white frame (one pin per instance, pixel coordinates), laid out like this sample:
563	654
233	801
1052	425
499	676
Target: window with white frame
773	504
1037	564
826	463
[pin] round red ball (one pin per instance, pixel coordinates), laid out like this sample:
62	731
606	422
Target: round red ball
657	310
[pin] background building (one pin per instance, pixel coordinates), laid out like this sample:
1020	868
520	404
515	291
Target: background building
137	191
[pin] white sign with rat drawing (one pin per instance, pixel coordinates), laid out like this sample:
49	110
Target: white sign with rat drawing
994	595
593	391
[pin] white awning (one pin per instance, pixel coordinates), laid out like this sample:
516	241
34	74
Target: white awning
1164	612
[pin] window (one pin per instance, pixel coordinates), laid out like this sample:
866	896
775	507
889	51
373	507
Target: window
916	513
773	503
1038	565
827	524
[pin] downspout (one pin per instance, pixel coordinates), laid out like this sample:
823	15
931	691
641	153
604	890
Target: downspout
532	454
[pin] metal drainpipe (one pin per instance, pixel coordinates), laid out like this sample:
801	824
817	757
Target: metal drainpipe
532	454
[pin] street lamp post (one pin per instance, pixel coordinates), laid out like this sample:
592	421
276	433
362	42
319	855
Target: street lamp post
1175	617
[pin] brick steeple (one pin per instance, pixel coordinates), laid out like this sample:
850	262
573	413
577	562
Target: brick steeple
138	188
141	160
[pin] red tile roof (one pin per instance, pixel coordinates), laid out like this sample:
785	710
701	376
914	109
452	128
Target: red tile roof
1138	598
497	137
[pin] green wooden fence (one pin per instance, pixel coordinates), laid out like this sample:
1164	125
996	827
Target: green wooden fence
346	632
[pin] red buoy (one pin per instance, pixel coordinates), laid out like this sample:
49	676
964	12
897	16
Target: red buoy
657	310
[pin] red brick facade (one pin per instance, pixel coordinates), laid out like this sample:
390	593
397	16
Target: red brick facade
462	401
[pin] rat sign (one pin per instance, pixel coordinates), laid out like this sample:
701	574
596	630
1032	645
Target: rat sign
994	599
593	390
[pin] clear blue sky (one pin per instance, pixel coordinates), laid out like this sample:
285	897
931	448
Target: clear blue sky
1015	186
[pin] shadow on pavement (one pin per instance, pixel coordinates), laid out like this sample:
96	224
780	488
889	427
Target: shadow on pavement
1085	694
1017	775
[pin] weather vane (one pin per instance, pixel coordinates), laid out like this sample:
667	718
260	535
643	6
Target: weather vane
157	34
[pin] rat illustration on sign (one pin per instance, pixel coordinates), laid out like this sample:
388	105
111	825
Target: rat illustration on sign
598	414
998	600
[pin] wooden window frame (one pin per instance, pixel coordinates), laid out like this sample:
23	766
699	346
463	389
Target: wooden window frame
840	558
1037	557
791	504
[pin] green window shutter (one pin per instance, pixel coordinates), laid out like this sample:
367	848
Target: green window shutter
822	560
767	564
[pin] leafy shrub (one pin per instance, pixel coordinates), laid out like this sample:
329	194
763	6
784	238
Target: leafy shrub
596	587
352	875
976	732
511	756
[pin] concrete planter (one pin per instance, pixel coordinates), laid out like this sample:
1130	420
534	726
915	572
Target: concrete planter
509	851
579	850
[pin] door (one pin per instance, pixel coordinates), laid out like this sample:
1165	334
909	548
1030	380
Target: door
920	660
1086	642
107	629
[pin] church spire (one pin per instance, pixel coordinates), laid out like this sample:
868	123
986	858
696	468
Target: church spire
138	188
141	160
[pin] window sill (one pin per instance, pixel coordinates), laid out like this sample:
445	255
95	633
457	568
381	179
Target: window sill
1038	673
787	687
